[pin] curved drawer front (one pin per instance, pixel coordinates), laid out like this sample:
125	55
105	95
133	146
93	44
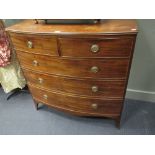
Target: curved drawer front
105	68
108	47
97	88
46	45
77	104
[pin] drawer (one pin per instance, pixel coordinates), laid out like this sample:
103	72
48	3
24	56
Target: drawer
86	106
108	47
96	88
88	68
40	44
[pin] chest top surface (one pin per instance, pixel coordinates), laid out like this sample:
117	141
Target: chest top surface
112	26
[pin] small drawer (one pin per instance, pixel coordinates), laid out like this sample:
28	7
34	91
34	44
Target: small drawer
90	87
39	44
74	103
87	68
107	47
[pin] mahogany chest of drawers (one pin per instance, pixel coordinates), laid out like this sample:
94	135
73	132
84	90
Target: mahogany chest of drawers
79	69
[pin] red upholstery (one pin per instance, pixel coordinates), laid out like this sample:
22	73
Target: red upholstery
5	48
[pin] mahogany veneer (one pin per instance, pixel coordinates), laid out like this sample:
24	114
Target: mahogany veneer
80	69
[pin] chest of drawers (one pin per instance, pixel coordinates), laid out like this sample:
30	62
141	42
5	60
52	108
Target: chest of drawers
79	69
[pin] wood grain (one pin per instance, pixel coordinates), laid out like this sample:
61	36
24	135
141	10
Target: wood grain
108	47
46	45
108	68
105	27
106	88
77	104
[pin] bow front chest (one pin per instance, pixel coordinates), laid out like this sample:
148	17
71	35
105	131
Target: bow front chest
79	69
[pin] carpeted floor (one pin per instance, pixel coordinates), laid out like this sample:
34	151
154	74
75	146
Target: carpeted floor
19	117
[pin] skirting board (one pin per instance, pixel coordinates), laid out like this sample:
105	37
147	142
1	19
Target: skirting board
140	95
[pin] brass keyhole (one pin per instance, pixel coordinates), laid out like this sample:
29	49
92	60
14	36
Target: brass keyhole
94	48
94	89
94	106
29	44
94	69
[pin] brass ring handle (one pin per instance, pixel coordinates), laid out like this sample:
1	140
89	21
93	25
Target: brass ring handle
29	44
94	48
40	80
94	106
45	96
94	89
35	63
94	69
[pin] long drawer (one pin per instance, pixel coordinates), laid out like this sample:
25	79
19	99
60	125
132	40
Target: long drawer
39	44
86	106
96	88
96	47
90	68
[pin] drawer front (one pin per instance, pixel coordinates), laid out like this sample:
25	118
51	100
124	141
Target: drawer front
110	47
89	106
46	45
96	88
89	68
